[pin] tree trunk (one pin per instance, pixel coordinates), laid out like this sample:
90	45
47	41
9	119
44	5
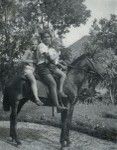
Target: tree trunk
111	92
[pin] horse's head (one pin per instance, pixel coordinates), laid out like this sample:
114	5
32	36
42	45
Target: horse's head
83	63
83	68
82	73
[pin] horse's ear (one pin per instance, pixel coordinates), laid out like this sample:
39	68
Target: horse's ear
69	67
88	55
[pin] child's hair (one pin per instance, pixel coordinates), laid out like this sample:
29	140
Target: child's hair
28	46
42	34
36	37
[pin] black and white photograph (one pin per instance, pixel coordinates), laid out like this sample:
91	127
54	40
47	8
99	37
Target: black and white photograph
58	74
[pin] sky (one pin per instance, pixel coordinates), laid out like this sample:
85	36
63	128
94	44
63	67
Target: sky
99	9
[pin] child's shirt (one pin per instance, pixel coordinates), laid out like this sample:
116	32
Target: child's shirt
41	49
28	56
53	54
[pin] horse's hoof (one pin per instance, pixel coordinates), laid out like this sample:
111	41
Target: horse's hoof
63	144
13	140
18	142
62	148
68	143
18	146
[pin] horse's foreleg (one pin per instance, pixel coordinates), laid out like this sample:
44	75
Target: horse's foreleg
70	115
66	118
63	135
13	124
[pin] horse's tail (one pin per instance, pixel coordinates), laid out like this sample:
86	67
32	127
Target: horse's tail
6	103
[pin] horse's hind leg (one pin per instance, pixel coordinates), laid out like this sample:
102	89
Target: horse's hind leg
13	123
21	103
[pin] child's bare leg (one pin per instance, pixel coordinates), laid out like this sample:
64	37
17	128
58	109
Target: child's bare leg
34	88
49	80
62	76
52	87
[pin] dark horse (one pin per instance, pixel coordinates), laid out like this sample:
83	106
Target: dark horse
76	76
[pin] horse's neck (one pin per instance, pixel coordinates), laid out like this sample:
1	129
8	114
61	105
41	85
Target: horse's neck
77	73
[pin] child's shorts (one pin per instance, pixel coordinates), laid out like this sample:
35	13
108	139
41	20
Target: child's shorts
52	68
43	69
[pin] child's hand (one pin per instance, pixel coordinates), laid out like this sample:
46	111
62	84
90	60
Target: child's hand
34	61
47	56
64	67
27	61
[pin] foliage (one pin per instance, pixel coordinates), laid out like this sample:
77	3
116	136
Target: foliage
102	48
66	55
102	42
103	35
64	13
20	20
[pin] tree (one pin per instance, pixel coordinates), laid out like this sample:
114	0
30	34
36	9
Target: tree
7	10
102	48
64	13
103	34
20	20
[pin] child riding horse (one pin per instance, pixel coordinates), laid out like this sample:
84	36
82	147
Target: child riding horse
47	67
28	70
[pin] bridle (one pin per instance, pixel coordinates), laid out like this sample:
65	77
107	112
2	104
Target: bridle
94	68
93	71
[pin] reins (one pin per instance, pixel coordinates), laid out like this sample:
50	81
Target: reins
94	67
82	69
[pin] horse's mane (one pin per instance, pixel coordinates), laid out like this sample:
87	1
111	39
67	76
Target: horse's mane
77	62
78	59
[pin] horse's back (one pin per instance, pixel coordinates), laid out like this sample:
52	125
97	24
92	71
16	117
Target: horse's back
43	90
20	87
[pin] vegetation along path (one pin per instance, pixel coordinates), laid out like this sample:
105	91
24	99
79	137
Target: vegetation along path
43	137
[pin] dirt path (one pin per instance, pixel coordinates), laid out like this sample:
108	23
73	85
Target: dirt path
43	137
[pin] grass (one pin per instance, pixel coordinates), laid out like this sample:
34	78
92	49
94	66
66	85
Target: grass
97	119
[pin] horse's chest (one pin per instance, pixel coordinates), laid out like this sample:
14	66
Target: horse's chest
78	78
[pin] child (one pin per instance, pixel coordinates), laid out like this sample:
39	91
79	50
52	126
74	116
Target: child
28	68
44	69
55	66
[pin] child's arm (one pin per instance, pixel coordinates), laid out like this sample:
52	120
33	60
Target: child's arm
41	52
26	57
62	64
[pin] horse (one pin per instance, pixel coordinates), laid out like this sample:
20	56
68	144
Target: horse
77	74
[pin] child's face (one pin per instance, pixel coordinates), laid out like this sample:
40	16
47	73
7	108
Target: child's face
47	39
35	42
